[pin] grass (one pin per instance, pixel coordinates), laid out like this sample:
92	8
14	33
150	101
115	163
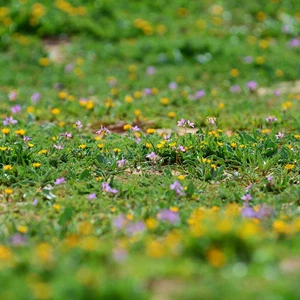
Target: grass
149	150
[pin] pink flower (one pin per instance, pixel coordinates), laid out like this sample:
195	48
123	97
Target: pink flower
59	181
152	156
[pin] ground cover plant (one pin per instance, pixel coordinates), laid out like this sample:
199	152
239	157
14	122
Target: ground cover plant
149	149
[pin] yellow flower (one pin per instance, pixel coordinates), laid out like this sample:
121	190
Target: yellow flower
44	61
36	165
127	127
174	208
43	151
117	150
289	166
216	258
155	249
5	130
7	167
22	229
151	223
82	146
56	207
62	95
233	145
30	145
5	253
100	146
8	191
171	114
286	105
181	177
3	148
280	226
150	130
128	99
44	252
137	94
267	130
297	136
234	72
164	101
260	60
55	111
221	105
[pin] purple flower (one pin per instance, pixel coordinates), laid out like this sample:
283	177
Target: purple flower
121	163
246	197
91	196
135	228
9	120
150	70
78	124
152	156
58	147
107	188
248	212
294	43
18	239
66	134
69	68
248	187
248	59
271	119
147	91
252	85
181	148
12	96
119	221
102	130
184	123
35	201
173	86
26	138
15	109
235	89
270	178
211	120
277	93
135	128
59	181
279	135
168	216
35	97
199	94
120	254
178	188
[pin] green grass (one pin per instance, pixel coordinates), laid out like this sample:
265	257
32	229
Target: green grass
175	226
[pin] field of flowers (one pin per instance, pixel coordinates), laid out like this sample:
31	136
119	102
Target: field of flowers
149	149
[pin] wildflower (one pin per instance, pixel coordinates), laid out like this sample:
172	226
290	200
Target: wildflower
59	181
216	258
20	131
36	165
294	43
152	156
66	134
150	70
78	124
173	86
289	166
15	109
107	188
26	138
246	197
211	120
5	130
22	229
135	128
35	201
58	147
69	68
82	146
279	135
55	111
270	178
184	123
252	85
7	167
150	130
121	163
271	119
119	221
181	148
171	114
12	95
9	120
102	130
43	151
199	94
178	188
248	59
127	127
147	91
135	228
35	97
8	191
164	101
17	239
235	89
91	196
168	216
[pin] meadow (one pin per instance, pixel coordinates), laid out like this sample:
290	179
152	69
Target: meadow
149	149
